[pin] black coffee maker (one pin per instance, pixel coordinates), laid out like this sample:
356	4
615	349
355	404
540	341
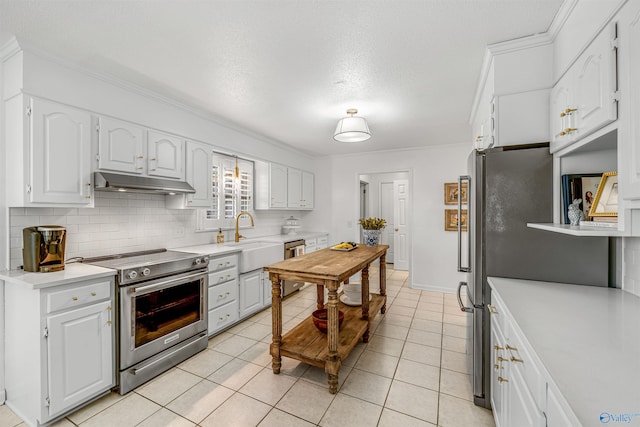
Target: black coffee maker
43	248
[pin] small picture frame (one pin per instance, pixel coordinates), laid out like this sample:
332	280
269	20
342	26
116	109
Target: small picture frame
605	202
451	220
451	193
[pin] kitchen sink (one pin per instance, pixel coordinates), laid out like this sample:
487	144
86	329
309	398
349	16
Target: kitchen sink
257	254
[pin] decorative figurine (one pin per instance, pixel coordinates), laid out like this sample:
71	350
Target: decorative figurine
575	213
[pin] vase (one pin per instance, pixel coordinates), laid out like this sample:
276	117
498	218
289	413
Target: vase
371	237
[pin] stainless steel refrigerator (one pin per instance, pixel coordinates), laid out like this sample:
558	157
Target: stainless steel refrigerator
507	188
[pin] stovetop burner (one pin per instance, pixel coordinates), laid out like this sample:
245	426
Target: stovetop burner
135	267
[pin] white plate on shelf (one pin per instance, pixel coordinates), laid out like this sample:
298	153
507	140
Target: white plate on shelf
347	301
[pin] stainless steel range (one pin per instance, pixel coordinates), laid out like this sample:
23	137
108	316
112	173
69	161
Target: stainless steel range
162	311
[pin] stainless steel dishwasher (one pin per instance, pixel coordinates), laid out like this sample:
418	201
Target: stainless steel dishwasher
292	249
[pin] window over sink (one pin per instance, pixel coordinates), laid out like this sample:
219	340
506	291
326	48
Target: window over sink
232	192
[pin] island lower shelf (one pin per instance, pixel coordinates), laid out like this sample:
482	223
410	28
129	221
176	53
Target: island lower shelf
307	344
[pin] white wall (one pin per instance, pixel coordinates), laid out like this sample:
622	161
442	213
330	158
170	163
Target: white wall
433	262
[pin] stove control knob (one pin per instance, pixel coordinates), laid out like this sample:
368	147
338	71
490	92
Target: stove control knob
198	261
146	271
132	274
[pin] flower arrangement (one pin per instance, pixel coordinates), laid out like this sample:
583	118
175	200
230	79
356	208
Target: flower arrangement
373	223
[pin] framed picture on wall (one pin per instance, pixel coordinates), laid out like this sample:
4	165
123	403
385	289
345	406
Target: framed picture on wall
451	220
451	193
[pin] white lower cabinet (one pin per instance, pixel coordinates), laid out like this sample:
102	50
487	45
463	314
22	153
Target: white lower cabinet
267	289
223	292
521	390
251	290
60	347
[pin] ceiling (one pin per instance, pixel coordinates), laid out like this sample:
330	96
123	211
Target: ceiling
289	69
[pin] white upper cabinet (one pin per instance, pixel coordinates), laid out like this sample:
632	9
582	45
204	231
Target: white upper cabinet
585	98
629	147
278	178
120	146
165	155
199	174
281	187
58	170
307	190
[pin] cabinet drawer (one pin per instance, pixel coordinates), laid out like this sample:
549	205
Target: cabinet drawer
222	294
223	316
222	276
223	262
78	295
321	240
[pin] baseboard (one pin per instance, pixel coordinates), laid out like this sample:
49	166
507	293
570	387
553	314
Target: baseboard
432	288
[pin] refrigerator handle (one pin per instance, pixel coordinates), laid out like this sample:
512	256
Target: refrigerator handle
462	307
462	269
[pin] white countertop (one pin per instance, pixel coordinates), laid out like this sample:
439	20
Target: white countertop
73	272
588	338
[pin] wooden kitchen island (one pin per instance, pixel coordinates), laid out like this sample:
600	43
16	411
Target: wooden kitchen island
326	268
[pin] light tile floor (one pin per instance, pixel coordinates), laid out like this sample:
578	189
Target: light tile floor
413	372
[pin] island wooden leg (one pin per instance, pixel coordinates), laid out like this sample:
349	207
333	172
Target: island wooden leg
320	299
365	301
332	365
383	281
276	322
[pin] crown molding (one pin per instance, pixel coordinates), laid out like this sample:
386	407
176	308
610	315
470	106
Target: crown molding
9	49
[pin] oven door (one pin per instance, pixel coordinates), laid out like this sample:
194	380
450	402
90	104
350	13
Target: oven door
161	313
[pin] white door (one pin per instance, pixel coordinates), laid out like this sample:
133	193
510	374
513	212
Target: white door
199	174
277	186
80	350
120	146
251	289
165	155
387	202
307	190
60	170
294	188
400	220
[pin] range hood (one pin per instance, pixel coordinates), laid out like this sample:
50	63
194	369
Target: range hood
104	181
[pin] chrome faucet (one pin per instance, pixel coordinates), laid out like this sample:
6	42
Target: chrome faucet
238	235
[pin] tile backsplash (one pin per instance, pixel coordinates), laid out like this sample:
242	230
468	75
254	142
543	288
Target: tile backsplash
126	223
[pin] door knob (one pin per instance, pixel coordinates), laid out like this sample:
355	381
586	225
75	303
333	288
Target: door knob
396	229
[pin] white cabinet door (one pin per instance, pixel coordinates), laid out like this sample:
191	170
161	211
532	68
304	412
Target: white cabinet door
250	292
61	154
120	146
80	355
522	408
595	84
498	370
294	188
562	114
307	190
165	155
629	144
267	289
277	186
199	174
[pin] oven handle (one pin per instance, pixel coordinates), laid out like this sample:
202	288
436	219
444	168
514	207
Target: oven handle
166	283
137	371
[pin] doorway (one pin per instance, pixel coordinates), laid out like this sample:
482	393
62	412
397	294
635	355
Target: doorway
386	195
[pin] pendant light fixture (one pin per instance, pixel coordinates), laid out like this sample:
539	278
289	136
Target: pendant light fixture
352	129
